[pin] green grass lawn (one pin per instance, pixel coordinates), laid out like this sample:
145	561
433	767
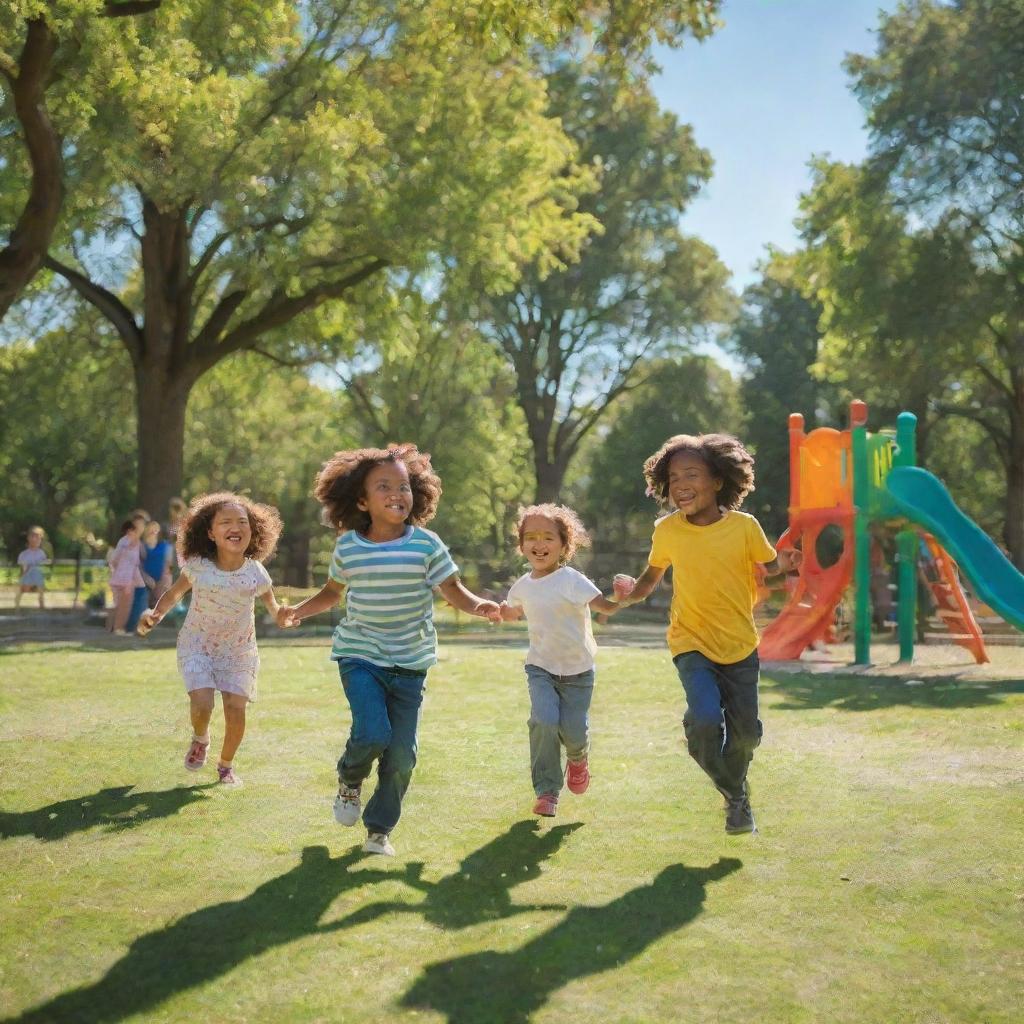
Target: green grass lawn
885	885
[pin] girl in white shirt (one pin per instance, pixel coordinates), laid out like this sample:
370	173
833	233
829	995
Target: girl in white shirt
556	600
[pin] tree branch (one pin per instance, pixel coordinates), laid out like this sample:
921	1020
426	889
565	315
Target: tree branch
106	302
996	432
279	310
292	364
22	257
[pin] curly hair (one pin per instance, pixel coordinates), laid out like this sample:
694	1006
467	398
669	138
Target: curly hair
194	529
571	530
341	484
724	455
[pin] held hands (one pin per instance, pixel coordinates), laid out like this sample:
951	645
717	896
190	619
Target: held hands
489	610
506	613
147	621
789	559
623	585
286	617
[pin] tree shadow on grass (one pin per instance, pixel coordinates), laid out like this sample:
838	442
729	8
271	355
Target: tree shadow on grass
212	941
490	987
859	693
115	808
480	890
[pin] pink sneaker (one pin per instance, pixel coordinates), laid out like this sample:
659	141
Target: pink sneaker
196	756
227	777
577	776
546	805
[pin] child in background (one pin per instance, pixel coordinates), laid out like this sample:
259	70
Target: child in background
556	600
175	510
156	573
31	562
125	561
379	500
222	543
712	549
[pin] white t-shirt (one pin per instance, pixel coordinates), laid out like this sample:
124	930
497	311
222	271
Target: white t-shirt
558	617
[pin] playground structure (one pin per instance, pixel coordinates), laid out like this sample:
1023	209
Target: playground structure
851	481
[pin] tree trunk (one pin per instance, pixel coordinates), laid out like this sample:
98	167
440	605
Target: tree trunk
161	401
30	239
550	475
164	374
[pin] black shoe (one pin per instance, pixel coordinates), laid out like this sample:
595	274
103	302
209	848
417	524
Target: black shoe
739	818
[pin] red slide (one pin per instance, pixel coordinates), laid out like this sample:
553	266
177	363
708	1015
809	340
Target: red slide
809	611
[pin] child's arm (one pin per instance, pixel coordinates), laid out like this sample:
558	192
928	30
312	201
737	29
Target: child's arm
270	602
640	590
453	591
326	597
785	561
170	598
605	605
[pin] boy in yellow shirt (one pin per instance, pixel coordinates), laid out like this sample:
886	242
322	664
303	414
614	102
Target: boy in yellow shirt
712	549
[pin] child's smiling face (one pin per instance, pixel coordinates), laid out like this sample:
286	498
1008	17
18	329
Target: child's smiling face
387	494
541	544
693	488
230	530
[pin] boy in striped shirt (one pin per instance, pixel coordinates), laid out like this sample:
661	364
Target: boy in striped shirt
379	500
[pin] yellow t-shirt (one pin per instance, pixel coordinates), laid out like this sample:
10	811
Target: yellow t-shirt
713	583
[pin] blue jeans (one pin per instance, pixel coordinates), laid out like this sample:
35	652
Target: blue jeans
721	724
559	714
385	704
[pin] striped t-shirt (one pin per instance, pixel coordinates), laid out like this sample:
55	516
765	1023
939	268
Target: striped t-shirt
390	602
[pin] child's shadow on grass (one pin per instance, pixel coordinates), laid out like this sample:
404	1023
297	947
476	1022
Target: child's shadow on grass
210	942
851	693
489	987
480	890
116	808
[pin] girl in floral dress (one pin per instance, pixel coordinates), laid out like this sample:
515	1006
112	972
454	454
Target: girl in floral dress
222	544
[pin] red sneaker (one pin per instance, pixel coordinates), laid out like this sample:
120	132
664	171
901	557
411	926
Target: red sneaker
195	758
577	776
546	805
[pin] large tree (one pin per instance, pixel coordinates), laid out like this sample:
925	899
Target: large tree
580	338
249	162
943	96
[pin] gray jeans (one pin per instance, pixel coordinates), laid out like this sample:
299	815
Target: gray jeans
559	716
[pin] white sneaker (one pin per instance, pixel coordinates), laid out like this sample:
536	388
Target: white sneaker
346	805
378	842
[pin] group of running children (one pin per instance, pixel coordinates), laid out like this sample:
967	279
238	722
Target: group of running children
379	502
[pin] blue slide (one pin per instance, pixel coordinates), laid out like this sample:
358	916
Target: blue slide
923	498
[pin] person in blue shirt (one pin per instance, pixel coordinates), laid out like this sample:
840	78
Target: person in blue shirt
155	559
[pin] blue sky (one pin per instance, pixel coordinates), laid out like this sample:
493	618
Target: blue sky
764	94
